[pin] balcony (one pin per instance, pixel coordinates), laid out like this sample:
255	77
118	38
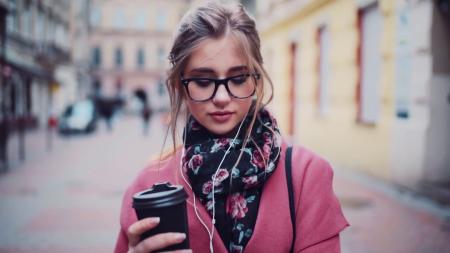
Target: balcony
50	54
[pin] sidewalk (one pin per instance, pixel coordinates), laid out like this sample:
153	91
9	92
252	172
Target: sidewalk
68	200
385	219
37	143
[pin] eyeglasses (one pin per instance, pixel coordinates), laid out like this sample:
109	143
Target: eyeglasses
201	89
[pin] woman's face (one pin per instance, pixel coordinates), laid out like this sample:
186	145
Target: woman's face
218	58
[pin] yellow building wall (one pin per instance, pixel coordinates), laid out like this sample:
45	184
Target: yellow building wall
337	135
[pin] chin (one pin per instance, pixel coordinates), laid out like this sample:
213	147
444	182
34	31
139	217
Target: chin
221	130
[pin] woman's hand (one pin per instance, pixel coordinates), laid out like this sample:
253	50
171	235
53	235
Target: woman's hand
152	243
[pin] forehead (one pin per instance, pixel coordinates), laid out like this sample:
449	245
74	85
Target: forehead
219	55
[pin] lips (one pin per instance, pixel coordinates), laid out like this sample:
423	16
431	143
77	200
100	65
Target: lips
221	116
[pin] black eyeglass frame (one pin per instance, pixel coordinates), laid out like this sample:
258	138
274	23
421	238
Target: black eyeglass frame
218	82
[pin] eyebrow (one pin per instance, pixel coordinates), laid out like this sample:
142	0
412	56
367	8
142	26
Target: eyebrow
211	71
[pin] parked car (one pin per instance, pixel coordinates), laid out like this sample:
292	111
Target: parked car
80	117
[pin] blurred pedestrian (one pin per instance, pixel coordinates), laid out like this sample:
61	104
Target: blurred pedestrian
147	113
108	113
4	131
52	124
106	107
233	161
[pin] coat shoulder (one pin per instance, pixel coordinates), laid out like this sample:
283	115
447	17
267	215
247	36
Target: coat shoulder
155	171
306	162
319	213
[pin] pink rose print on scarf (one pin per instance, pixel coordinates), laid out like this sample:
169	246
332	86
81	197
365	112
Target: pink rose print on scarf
267	138
195	163
250	181
257	159
236	206
185	159
222	142
266	151
222	174
207	187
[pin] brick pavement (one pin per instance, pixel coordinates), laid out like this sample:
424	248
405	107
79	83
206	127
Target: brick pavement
68	200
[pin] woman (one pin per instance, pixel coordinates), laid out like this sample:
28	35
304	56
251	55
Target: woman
232	158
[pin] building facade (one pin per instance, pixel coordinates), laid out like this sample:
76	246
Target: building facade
73	76
130	43
364	83
34	43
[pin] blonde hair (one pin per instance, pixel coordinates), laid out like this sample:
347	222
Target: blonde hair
213	20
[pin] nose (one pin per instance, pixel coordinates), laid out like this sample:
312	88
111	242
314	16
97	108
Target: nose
221	97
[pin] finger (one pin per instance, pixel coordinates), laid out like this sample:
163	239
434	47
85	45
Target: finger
179	251
138	228
160	241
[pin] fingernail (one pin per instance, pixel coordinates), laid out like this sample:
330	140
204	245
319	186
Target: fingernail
180	236
187	251
154	220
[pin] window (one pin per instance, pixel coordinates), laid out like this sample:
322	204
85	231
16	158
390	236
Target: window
403	63
51	29
60	35
118	57
323	71
161	88
161	55
96	57
97	87
119	19
369	67
13	19
40	25
140	58
27	23
161	20
95	16
140	20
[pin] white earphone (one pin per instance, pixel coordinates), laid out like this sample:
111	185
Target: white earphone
213	220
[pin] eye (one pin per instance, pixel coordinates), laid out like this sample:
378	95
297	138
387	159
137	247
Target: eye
204	83
239	79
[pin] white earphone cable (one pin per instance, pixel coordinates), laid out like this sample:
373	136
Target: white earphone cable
217	170
195	204
213	221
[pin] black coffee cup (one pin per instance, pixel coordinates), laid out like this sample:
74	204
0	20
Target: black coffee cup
168	202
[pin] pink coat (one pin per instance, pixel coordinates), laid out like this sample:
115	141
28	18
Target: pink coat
319	215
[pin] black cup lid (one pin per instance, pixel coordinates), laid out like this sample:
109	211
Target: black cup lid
160	195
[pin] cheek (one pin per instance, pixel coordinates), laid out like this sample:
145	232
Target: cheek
194	108
245	105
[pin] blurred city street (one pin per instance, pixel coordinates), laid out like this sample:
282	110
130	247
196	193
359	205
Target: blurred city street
84	106
68	199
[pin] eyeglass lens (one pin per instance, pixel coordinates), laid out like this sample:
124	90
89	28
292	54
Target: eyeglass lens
201	89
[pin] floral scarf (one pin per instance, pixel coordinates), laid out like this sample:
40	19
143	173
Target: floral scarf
237	189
